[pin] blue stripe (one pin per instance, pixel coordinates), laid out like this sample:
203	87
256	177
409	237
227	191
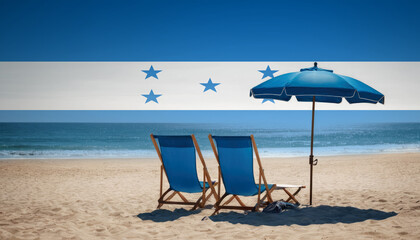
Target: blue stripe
87	30
298	118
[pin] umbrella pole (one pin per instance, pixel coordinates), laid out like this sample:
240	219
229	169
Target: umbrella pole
311	157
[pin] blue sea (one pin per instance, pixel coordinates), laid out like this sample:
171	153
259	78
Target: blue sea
132	140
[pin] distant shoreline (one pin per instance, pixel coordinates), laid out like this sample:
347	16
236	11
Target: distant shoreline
154	158
77	140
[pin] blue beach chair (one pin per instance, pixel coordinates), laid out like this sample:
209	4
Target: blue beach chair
235	158
178	158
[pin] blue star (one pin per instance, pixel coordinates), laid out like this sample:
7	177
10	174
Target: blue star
268	100
268	72
151	97
151	72
210	85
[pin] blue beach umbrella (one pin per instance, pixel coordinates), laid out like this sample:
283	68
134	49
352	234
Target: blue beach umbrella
316	85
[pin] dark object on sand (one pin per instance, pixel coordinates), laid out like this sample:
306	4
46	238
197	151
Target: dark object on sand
279	206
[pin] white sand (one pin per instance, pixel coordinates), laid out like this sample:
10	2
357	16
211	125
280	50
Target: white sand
356	197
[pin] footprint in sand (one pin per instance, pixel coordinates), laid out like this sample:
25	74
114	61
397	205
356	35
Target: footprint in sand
372	233
115	214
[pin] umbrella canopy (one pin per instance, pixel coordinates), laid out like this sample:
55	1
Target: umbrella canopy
325	85
316	85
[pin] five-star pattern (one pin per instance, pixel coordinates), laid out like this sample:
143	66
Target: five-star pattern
152	97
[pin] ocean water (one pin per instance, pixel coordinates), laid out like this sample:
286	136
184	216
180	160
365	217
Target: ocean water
132	140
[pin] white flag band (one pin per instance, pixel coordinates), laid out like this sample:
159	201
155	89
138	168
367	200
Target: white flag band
185	85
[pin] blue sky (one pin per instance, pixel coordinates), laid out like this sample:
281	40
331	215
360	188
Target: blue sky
102	30
81	30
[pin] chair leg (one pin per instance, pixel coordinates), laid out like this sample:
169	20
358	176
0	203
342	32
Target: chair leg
217	204
256	207
204	188
182	197
270	190
212	193
163	201
161	198
240	201
229	200
199	203
261	202
292	196
206	198
170	196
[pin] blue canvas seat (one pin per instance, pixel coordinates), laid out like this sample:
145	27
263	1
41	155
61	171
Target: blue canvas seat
178	157
235	157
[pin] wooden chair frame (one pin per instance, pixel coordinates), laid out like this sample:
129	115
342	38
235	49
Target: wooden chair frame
206	178
260	201
292	196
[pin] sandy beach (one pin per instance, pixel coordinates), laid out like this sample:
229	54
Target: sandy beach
355	197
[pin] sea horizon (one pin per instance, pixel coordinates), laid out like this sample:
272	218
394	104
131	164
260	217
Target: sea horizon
132	140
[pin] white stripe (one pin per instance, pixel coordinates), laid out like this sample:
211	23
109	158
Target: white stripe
119	85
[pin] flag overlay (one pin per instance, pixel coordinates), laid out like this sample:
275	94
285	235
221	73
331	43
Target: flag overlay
185	85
